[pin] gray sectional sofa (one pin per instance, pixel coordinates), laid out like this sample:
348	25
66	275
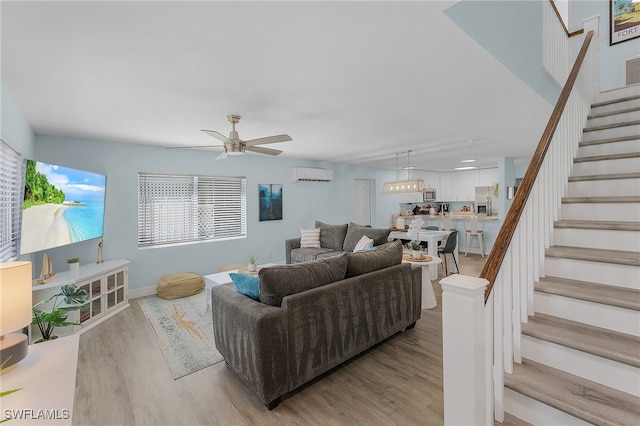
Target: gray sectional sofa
313	316
334	240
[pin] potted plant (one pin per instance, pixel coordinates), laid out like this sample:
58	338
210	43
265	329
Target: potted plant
416	249
252	267
72	296
74	264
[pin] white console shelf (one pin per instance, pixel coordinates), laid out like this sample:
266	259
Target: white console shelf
106	284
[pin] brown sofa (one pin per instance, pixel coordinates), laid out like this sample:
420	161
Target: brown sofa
313	316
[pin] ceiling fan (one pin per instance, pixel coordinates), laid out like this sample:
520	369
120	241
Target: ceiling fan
233	145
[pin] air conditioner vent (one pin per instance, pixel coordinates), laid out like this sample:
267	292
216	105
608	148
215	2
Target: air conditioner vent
632	71
305	174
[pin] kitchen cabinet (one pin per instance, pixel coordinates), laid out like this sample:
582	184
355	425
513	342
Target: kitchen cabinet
446	188
467	182
488	177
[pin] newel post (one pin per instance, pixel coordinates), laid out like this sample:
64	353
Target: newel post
464	358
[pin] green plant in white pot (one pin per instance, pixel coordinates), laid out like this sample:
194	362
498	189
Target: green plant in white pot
416	250
252	266
72	296
74	264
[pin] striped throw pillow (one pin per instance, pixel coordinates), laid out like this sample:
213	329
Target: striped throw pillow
310	238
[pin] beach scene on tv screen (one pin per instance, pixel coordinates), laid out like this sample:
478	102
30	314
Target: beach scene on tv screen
61	206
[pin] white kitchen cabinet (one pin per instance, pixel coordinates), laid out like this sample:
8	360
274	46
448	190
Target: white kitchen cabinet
445	192
488	177
467	182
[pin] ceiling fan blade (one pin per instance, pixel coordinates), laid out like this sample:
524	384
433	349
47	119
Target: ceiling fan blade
268	139
218	136
221	156
262	150
195	147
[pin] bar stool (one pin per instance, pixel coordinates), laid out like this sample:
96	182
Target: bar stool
474	231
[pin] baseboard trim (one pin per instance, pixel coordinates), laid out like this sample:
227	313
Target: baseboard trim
142	292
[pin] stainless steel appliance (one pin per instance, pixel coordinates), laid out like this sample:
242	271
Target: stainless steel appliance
429	194
486	201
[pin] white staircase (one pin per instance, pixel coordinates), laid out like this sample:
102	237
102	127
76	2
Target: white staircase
581	349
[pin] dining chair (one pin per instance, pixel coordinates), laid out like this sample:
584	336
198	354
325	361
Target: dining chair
473	231
449	248
432	228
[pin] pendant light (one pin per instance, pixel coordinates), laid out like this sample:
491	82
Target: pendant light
408	186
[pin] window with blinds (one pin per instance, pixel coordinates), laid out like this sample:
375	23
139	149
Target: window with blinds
11	187
174	209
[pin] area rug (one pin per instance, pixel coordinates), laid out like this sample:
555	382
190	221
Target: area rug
184	331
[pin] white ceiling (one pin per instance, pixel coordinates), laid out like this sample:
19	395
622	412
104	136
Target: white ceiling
351	82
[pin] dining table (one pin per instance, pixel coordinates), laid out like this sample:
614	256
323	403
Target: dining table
431	237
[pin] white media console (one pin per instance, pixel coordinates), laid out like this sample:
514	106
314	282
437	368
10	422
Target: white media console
106	284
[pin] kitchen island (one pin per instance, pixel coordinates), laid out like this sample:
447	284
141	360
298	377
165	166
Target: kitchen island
490	225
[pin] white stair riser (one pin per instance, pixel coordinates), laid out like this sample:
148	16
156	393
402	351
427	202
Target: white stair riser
535	412
618	118
613	374
615	132
621	147
597	238
595	272
615	107
619	93
605	187
622	165
628	212
596	314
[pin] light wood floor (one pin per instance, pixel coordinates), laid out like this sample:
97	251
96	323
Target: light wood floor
122	379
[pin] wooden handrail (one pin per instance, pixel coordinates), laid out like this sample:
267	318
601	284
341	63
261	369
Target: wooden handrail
564	27
499	250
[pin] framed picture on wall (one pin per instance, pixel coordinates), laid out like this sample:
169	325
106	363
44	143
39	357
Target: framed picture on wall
624	20
270	201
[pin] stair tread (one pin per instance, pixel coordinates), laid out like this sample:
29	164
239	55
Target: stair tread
620	257
621	297
609	176
609	140
603	199
611	126
587	400
613	345
609	225
621	156
606	114
614	101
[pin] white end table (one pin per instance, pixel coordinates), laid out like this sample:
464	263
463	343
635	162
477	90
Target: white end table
429	272
47	377
220	278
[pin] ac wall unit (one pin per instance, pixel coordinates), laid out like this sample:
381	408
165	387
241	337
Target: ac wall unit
305	174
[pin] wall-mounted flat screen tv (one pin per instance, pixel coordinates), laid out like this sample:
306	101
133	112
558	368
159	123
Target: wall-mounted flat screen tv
61	206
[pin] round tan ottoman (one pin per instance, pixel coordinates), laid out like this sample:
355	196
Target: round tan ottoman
179	285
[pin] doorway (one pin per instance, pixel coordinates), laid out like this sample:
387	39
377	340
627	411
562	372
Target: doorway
362	201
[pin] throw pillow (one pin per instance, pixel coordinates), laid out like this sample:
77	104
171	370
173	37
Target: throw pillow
249	285
355	232
310	238
364	244
332	236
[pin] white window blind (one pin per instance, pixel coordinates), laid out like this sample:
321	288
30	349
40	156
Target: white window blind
187	208
10	201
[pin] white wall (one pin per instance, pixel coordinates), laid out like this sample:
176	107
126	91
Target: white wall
14	127
303	203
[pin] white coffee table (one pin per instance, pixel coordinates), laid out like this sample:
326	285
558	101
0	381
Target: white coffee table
220	278
429	272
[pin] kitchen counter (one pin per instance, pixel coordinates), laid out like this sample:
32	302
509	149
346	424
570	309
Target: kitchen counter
490	226
453	216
